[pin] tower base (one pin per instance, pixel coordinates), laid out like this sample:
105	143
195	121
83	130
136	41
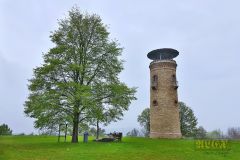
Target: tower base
165	135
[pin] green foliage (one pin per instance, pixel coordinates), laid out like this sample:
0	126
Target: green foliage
83	128
188	121
79	76
233	132
201	133
93	132
134	133
5	130
131	148
144	120
215	134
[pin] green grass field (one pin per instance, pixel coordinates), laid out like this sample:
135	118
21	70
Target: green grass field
47	148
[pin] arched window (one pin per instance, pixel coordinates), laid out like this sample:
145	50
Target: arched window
173	77
155	103
174	81
154	82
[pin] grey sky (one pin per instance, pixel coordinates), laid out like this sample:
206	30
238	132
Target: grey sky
205	32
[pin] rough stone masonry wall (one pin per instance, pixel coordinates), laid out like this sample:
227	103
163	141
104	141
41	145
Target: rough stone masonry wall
164	114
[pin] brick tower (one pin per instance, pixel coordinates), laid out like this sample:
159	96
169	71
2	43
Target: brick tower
164	113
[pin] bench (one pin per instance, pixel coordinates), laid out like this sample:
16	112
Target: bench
116	135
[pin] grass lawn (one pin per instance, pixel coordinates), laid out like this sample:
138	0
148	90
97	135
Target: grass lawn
46	148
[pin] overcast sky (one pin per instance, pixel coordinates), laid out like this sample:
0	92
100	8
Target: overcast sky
205	32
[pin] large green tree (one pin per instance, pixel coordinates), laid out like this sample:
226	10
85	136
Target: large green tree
144	120
78	73
188	121
5	130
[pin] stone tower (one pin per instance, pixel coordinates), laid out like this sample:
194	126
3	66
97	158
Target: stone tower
164	113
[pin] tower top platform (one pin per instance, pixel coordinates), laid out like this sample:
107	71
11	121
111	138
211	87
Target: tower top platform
163	54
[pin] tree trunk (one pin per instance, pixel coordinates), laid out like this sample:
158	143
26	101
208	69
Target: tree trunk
97	136
65	136
75	128
59	132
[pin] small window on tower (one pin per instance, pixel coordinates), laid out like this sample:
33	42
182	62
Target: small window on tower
174	78
155	103
174	81
154	82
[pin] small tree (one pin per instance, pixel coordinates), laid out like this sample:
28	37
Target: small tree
93	132
5	130
201	132
144	120
215	134
105	115
83	128
133	133
234	133
188	121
